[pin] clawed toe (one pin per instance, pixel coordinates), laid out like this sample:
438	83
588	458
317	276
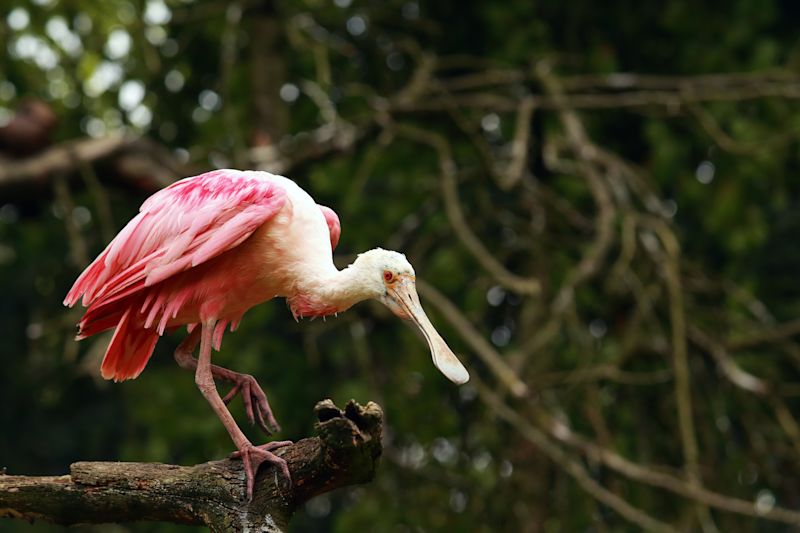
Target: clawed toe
255	403
253	456
268	447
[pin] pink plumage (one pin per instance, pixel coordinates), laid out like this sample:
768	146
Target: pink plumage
150	277
333	225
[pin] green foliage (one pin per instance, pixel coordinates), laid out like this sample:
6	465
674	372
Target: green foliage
450	464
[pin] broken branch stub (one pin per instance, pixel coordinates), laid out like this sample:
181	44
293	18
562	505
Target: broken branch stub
345	452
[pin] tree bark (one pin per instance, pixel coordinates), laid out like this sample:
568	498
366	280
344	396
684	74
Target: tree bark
345	452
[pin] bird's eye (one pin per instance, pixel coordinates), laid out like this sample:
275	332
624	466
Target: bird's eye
388	275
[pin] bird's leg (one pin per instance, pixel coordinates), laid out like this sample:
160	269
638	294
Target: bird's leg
251	391
252	456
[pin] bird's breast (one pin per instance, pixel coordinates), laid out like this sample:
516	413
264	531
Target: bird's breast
295	246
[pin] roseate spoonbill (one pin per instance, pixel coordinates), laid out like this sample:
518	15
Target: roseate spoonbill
203	251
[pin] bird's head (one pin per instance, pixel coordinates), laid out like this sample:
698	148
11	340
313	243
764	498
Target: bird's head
392	281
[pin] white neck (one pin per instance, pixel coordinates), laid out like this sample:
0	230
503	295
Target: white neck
334	291
347	287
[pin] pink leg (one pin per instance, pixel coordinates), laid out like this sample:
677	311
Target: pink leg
251	391
251	456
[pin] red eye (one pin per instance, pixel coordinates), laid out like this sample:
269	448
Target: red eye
387	275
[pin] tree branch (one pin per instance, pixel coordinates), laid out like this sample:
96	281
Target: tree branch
139	161
345	452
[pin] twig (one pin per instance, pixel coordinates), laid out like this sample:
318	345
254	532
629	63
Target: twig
648	476
767	335
519	146
677	314
602	372
504	373
619	81
591	259
447	167
569	465
729	368
674	101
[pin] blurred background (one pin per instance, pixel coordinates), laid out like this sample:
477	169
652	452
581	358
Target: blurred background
600	198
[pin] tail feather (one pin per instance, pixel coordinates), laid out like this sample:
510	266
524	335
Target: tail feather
107	312
129	350
88	282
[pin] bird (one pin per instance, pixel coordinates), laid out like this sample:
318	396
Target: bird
207	248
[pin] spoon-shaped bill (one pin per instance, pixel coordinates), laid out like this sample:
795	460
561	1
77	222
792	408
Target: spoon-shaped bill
404	293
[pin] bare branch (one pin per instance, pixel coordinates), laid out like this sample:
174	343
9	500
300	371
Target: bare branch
519	146
213	494
774	334
649	476
672	100
729	368
571	466
680	357
138	162
504	373
456	215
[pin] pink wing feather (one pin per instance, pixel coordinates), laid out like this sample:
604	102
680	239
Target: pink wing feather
179	227
334	226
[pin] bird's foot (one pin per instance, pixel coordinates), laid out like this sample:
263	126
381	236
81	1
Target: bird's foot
253	456
268	447
255	401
